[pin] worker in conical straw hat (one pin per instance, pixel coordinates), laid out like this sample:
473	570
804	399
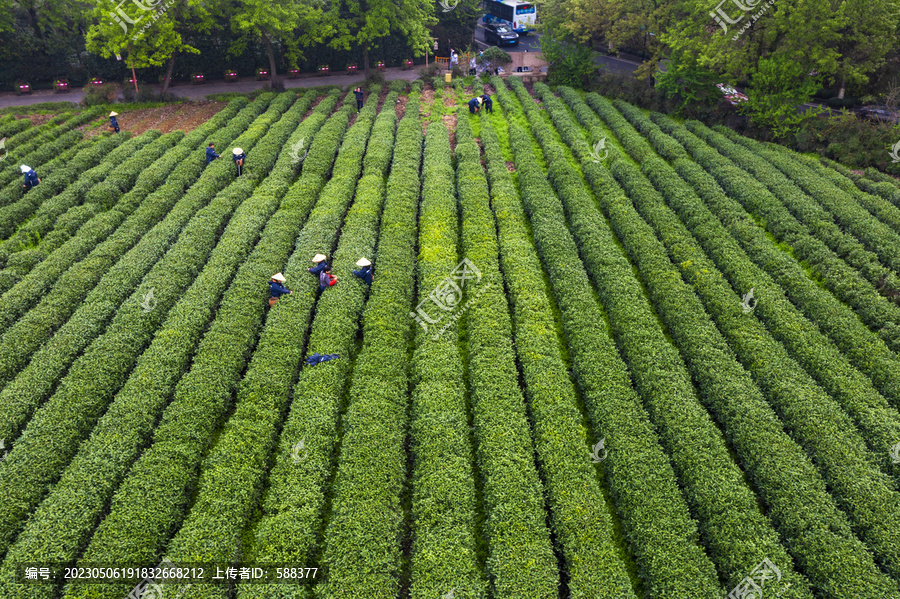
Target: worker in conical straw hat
113	123
237	155
277	288
31	178
321	264
365	270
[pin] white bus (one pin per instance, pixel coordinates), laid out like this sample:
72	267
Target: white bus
520	16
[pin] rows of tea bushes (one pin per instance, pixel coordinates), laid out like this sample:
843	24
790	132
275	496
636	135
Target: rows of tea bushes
10	126
688	330
129	158
861	490
444	512
123	166
871	219
846	283
753	428
104	459
520	560
118	272
14	214
856	394
42	148
294	503
734	548
580	514
711	482
858	238
170	166
805	338
230	484
57	428
204	394
866	351
361	554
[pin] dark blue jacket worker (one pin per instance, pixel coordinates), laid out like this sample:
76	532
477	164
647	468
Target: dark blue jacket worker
237	155
31	178
211	153
473	105
113	123
358	92
487	103
365	271
277	288
320	264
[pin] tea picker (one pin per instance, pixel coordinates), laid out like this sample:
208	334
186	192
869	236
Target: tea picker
365	271
211	153
321	264
277	288
238	156
113	123
31	178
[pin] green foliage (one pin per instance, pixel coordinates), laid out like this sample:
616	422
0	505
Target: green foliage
373	445
492	58
518	538
571	63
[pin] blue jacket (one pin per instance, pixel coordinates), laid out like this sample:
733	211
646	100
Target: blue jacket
364	273
240	156
473	103
277	289
358	94
31	179
113	122
323	265
317	358
210	155
487	100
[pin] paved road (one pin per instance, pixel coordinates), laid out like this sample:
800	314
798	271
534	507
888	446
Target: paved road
199	92
527	43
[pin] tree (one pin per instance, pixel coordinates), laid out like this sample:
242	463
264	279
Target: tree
492	58
293	23
571	63
144	33
364	22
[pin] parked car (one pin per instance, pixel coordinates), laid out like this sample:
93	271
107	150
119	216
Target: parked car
732	96
500	34
878	112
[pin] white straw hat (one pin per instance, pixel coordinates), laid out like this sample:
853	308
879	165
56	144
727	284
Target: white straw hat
237	151
278	277
363	262
318	258
25	169
113	114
